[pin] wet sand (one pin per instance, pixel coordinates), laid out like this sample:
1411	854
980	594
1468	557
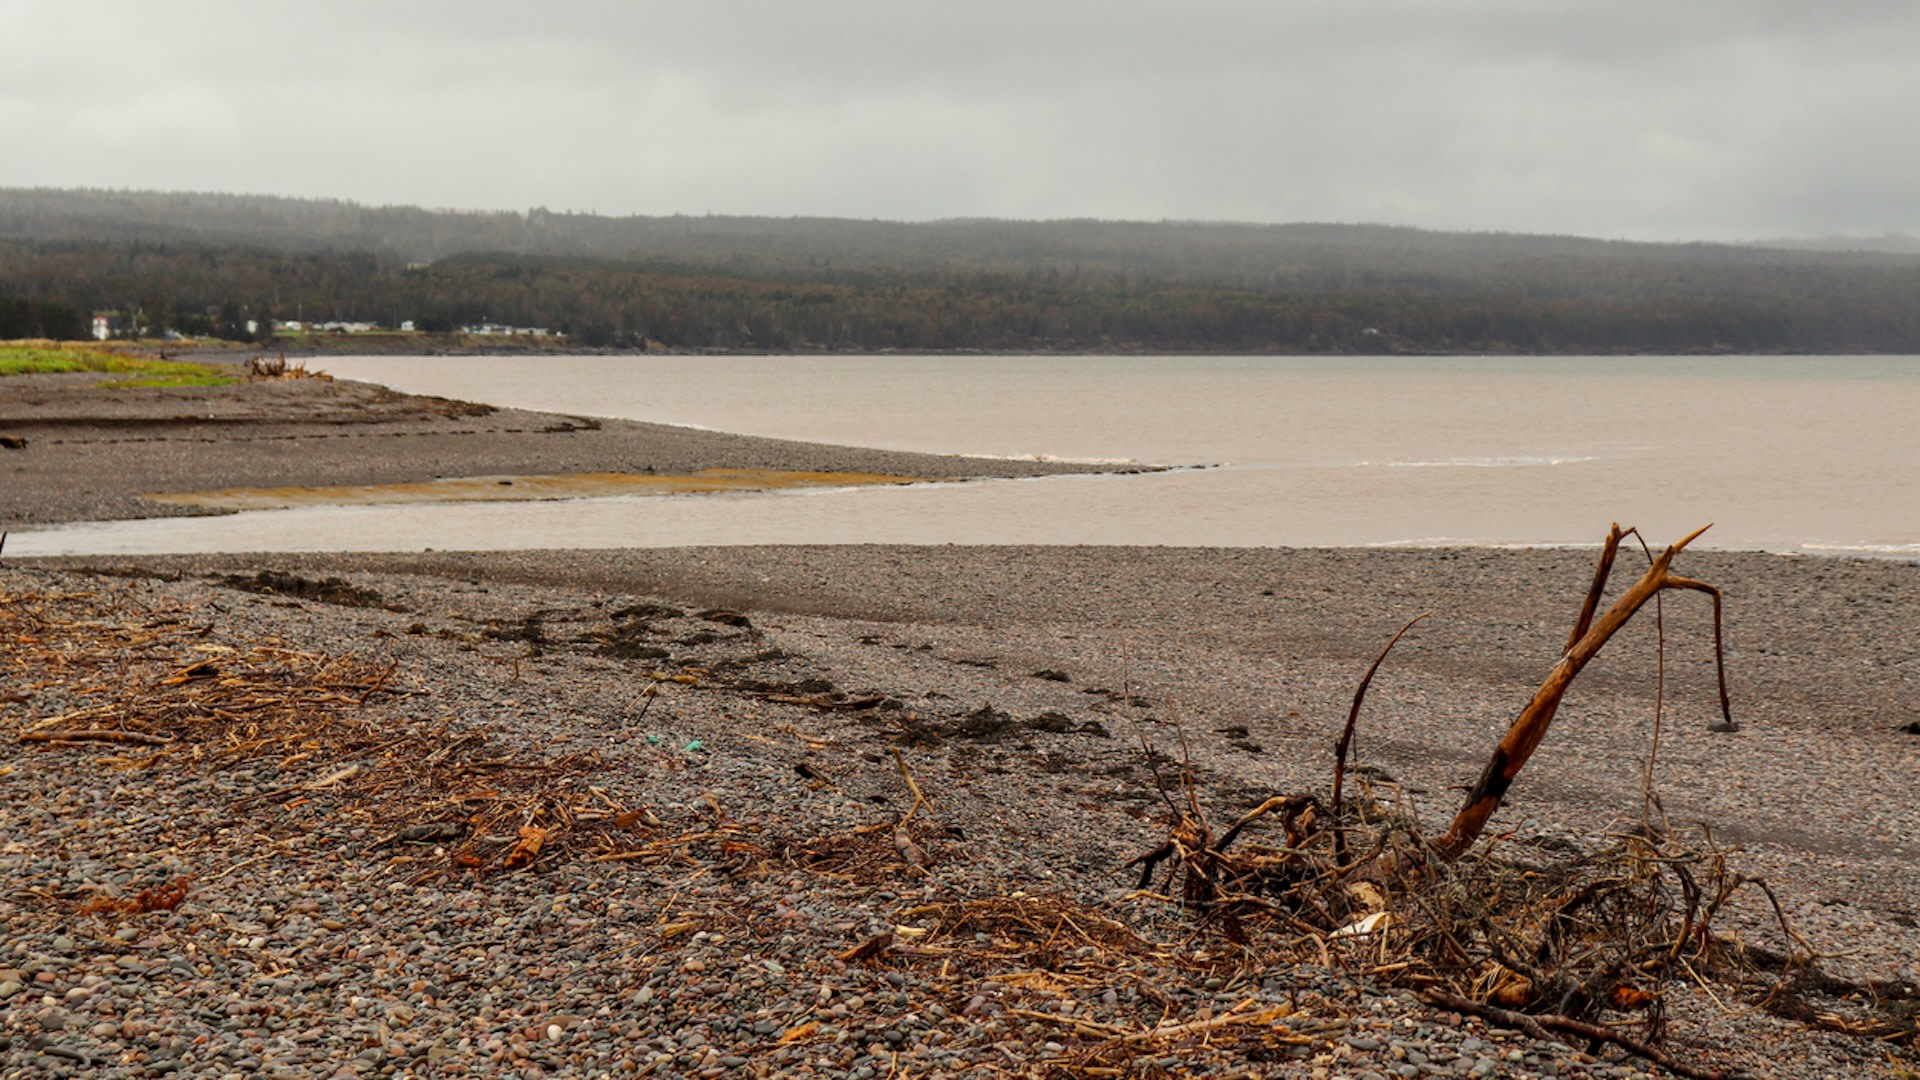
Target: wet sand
92	455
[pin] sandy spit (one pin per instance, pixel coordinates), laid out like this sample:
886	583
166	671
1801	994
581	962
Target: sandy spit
81	453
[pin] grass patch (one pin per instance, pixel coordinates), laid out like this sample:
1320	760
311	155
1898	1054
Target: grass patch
35	357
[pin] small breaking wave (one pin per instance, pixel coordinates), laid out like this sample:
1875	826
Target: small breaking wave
1424	542
1054	459
1521	461
1864	551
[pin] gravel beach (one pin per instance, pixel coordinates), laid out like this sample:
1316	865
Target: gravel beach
654	812
739	708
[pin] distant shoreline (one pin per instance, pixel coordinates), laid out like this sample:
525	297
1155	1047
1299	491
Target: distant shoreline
467	345
88	454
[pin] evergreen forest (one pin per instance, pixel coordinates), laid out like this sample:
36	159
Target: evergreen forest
210	264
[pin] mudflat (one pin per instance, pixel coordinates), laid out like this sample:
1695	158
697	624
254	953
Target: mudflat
78	452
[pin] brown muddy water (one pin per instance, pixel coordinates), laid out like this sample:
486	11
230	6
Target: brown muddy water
1812	454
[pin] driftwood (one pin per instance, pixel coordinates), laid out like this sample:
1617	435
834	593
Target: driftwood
911	853
1561	937
1523	738
1550	1028
106	735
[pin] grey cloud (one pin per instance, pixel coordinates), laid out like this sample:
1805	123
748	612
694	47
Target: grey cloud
1713	119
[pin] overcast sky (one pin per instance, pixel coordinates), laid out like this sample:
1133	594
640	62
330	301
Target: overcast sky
1650	119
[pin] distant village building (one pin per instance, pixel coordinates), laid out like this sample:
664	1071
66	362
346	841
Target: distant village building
499	330
108	324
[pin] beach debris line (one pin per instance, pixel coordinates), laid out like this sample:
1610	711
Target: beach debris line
1557	937
444	799
907	846
190	700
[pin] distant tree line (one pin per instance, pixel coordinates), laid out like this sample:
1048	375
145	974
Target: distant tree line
1295	257
216	290
31	317
208	264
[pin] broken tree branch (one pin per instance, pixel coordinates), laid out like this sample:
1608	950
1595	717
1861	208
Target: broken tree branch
1548	1027
1608	552
1524	736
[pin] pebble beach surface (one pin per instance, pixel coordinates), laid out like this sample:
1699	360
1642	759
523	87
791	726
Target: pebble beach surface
759	788
559	813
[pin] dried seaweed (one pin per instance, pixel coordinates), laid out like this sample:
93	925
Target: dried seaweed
152	680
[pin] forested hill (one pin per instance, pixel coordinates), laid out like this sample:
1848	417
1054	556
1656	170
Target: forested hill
1306	256
806	283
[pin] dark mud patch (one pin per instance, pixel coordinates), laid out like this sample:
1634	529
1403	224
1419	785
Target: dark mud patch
531	629
990	725
330	590
632	633
647	611
811	687
630	639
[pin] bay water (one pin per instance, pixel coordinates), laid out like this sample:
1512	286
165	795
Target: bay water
1811	454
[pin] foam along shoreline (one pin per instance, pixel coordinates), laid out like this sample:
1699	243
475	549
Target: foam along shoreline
525	488
1524	461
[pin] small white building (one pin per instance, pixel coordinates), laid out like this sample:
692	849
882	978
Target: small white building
501	330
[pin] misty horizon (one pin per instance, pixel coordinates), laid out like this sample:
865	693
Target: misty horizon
1883	242
1718	121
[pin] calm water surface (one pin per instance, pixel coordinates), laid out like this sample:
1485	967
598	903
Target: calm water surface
1781	453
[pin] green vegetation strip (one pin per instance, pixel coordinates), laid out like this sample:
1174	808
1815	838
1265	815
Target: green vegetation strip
36	357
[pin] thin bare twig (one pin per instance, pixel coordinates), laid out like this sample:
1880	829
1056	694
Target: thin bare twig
1346	736
1549	1027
